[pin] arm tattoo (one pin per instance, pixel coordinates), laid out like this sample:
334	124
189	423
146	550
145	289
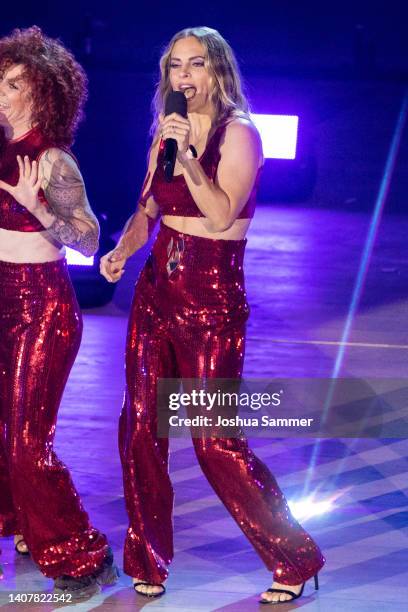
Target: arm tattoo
138	227
75	225
134	234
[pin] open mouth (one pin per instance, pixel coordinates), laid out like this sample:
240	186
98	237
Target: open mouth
189	91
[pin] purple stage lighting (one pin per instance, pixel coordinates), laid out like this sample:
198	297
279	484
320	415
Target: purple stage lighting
279	134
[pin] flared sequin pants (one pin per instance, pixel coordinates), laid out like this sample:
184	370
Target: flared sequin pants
188	320
40	333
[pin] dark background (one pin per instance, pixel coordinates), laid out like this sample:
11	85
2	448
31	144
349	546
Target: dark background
342	67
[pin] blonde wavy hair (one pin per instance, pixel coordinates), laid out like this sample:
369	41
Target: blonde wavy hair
227	96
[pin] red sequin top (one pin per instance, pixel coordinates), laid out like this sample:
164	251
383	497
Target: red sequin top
13	216
175	199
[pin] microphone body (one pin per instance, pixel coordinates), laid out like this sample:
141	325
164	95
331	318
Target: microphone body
176	102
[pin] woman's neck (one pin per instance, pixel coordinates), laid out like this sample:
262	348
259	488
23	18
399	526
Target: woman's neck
13	132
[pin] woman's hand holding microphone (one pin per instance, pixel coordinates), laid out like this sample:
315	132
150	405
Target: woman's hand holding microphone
177	127
184	131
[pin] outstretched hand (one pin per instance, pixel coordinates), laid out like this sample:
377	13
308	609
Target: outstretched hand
28	186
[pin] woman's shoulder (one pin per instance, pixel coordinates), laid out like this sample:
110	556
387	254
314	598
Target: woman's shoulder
59	157
238	131
240	122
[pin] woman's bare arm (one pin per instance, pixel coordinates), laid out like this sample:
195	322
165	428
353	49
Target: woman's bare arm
138	227
67	216
220	200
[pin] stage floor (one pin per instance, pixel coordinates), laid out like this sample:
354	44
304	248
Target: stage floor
301	267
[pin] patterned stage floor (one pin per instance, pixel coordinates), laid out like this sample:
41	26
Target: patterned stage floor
301	266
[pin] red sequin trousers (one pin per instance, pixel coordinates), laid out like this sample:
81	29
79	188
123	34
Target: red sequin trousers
40	334
188	320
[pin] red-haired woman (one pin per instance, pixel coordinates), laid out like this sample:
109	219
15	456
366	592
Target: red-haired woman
189	313
43	206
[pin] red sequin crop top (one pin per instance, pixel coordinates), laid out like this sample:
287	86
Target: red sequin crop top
13	216
175	199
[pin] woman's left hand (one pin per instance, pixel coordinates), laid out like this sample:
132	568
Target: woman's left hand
28	186
177	127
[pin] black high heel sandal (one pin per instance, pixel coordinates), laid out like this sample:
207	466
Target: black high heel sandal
159	594
25	553
291	593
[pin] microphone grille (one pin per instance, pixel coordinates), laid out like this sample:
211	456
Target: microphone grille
176	102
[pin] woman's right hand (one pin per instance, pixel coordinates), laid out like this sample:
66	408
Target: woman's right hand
111	265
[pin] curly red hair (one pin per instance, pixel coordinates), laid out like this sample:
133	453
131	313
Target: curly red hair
58	83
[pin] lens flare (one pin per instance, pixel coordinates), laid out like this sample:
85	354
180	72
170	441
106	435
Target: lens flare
304	509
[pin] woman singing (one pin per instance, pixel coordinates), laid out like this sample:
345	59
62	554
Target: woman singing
189	313
43	206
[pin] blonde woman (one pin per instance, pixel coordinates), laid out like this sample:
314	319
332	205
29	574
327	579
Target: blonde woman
189	314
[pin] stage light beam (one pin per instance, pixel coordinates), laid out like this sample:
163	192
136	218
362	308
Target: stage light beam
362	271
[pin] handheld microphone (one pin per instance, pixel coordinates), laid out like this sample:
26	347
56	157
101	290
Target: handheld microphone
176	102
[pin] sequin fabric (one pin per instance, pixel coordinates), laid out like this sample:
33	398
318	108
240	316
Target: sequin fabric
40	333
191	324
174	198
